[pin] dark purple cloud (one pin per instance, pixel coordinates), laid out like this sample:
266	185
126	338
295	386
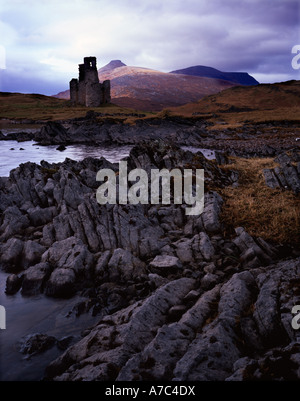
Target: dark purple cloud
45	40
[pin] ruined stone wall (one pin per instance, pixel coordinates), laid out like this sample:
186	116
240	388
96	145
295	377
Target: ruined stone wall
105	88
74	91
88	91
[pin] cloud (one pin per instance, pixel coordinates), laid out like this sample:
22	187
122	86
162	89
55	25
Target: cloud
47	39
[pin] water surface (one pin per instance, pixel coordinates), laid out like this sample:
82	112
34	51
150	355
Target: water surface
30	315
13	153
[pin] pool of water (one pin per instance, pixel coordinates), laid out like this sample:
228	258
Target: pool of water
13	153
35	314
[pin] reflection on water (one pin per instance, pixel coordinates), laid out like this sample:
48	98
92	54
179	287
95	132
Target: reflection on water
13	153
29	315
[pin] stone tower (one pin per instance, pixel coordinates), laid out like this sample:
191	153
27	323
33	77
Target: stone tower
87	90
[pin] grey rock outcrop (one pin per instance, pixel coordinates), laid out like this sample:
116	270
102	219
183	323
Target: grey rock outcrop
230	332
286	176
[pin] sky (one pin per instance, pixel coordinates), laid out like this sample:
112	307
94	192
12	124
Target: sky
43	41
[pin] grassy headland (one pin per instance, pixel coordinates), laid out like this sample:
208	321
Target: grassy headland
18	106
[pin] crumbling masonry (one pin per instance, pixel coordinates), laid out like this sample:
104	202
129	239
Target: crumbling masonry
87	90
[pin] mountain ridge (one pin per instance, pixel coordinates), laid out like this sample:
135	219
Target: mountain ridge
152	90
242	78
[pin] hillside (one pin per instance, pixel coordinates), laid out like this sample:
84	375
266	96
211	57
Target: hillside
148	89
240	104
241	78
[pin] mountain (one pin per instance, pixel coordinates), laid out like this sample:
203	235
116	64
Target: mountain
147	89
152	90
111	66
242	78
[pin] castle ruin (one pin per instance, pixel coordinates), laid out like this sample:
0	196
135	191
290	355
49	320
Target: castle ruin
87	90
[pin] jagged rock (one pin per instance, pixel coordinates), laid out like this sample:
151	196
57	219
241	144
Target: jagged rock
195	249
286	176
61	283
124	266
272	325
32	253
203	343
156	280
64	342
101	266
119	337
13	222
271	179
165	264
13	284
210	215
253	253
51	134
206	247
282	158
39	217
278	364
157	360
209	280
292	177
35	278
71	254
11	255
192	296
209	341
212	354
36	343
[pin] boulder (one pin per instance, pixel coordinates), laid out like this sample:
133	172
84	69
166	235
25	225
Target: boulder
36	343
212	209
41	216
13	284
52	133
70	253
35	278
11	255
32	253
123	266
13	222
165	264
61	283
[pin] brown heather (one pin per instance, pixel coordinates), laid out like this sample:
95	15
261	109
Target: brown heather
272	214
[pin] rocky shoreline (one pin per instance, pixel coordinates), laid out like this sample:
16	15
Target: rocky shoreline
251	140
177	299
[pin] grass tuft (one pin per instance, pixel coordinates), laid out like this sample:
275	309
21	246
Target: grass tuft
272	214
